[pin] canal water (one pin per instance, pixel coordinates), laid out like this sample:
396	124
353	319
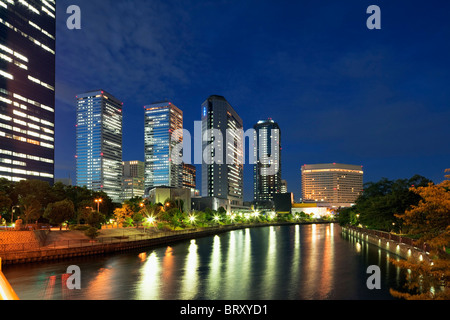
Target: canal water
298	262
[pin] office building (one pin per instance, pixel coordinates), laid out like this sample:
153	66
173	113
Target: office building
284	186
222	145
267	170
190	178
99	143
27	90
133	179
163	125
181	196
338	185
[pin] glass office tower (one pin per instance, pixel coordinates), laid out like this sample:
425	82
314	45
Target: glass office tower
267	170
99	143
27	90
162	120
222	167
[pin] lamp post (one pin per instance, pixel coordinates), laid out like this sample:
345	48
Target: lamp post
98	201
12	213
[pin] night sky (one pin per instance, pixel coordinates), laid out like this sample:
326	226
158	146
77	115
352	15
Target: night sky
339	91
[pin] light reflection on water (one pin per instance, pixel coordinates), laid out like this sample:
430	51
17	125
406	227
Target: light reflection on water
271	263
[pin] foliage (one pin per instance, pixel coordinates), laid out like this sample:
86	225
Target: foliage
92	233
381	201
95	219
123	214
31	208
60	212
5	203
430	220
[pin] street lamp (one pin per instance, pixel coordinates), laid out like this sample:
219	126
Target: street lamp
98	201
12	213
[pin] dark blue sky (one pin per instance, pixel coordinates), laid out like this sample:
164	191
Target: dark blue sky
340	92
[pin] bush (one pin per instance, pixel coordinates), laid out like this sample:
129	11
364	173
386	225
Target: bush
92	233
80	227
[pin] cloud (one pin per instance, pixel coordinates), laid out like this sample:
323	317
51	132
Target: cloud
125	48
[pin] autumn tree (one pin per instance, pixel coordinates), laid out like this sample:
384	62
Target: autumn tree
123	214
430	220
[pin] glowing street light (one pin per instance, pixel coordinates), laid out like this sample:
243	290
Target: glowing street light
98	201
151	220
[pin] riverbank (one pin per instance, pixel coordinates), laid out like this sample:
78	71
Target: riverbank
396	246
69	244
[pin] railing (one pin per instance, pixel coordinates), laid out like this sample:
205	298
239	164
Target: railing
389	236
6	291
78	243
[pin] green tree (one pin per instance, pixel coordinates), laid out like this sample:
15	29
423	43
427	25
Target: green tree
95	219
31	208
60	212
41	191
5	203
381	201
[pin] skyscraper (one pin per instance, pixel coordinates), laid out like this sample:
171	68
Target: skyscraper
222	145
99	143
133	179
163	122
267	170
337	185
27	90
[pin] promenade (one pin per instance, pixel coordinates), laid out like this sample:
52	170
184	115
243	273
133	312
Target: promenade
69	244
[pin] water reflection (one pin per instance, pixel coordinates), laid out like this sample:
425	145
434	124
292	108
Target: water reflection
289	262
190	281
147	288
213	284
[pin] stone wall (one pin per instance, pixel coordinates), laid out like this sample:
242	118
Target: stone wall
20	240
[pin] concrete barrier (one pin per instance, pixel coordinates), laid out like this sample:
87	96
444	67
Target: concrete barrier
6	291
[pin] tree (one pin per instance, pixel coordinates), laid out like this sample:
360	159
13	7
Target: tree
59	212
5	203
134	203
123	214
95	219
31	208
381	201
41	190
430	219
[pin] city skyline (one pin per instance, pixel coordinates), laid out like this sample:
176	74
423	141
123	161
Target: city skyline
340	92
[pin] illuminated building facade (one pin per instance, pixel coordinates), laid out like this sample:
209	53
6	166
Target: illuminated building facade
99	143
338	185
163	125
190	177
267	170
27	90
133	179
222	166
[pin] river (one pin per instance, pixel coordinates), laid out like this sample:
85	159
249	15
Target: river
297	262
